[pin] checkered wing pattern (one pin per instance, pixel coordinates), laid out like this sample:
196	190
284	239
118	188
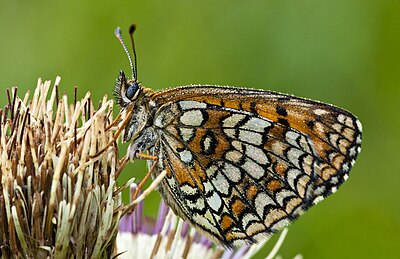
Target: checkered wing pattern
242	164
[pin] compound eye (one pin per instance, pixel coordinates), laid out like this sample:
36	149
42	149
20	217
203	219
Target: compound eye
131	90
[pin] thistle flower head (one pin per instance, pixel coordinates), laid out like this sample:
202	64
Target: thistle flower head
55	199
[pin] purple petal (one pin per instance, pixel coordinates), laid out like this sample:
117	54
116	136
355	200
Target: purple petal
162	214
227	254
126	224
205	242
138	217
185	229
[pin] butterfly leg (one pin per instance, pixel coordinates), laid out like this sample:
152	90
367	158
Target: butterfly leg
146	177
136	198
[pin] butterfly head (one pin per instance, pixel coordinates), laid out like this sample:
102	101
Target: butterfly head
126	91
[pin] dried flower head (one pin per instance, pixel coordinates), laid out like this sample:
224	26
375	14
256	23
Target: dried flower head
56	200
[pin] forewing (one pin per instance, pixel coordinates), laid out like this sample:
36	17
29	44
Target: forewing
244	163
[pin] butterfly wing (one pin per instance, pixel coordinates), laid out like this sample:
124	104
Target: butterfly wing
242	164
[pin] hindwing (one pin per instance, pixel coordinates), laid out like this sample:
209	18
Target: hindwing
243	163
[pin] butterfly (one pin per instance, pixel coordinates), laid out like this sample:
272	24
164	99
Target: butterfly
240	163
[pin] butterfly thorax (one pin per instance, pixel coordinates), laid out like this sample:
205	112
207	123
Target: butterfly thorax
134	99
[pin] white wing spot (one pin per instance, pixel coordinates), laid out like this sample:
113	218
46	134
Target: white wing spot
208	187
334	180
358	141
293	155
202	221
214	201
333	139
359	125
320	112
341	118
250	137
186	156
192	118
282	195
232	172
256	124
221	184
337	127
186	133
238	145
256	154
308	163
291	176
187	105
291	137
247	218
233	120
253	169
187	190
352	151
208	142
230	132
211	170
234	156
349	122
318	199
345	167
262	200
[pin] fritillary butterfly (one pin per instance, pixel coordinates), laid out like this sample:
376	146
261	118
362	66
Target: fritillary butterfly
240	163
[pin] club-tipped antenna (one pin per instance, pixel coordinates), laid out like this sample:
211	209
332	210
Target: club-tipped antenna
131	30
117	33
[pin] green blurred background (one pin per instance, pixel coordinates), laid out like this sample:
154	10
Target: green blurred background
341	52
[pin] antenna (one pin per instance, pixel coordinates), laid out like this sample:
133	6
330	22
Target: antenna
117	33
131	30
